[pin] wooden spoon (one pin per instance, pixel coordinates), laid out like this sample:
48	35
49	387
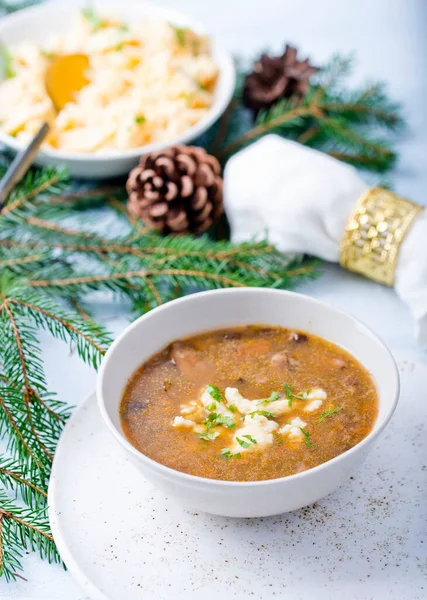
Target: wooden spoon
64	77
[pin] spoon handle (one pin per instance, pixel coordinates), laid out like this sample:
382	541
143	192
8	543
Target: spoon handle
20	164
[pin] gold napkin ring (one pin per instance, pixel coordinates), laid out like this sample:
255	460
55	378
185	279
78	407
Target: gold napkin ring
374	233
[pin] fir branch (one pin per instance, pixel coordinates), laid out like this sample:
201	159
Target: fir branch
19	345
23	529
149	282
81	198
364	113
15	365
268	123
91	340
22	259
94	282
333	119
16	440
337	129
35	183
364	161
331	76
12	475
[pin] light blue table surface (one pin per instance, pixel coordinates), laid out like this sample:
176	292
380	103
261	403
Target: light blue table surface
389	38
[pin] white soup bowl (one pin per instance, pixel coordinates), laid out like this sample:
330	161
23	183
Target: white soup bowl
233	307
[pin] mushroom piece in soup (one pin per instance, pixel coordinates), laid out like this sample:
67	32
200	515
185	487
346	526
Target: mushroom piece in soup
248	403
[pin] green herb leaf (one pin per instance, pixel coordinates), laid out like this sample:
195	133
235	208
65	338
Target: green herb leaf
139	119
6	63
226	452
250	438
232	408
46	54
211	406
242	442
208	435
123	27
307	437
119	48
215	392
92	17
226	421
288	391
328	413
272	398
214	420
180	33
290	395
263	413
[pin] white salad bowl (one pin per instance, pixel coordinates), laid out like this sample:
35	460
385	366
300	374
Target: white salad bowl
226	308
35	23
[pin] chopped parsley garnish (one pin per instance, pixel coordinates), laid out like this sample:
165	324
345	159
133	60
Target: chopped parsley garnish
46	54
232	408
180	33
272	398
187	96
211	406
212	417
215	392
307	437
226	452
250	438
140	119
263	413
6	63
290	395
328	413
244	443
92	17
226	421
215	419
208	435
119	48
123	27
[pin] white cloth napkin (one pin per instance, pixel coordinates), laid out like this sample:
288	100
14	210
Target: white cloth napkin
301	199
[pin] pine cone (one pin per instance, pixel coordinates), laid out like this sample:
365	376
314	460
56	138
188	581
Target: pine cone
177	190
276	77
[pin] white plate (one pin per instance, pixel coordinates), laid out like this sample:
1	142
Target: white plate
123	539
36	22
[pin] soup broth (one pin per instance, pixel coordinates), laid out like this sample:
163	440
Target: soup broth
248	403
